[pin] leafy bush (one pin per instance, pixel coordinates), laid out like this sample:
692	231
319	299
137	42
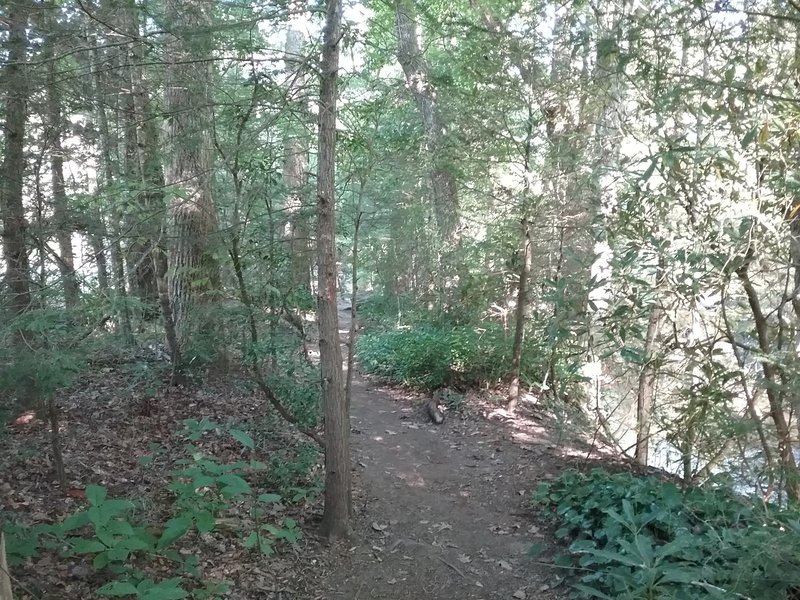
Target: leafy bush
291	472
641	538
117	537
431	357
381	309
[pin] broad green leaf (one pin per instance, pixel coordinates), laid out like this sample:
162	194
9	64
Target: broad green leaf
243	438
536	550
649	171
175	528
591	592
118	588
84	546
269	498
95	494
749	137
119	554
164	590
204	521
74	521
233	485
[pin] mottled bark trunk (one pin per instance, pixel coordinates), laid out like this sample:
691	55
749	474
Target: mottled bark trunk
145	220
771	373
193	270
15	88
336	516
417	75
295	169
645	395
63	222
519	328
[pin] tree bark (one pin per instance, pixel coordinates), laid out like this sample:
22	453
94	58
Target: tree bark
122	309
336	516
417	75
63	223
351	339
295	170
144	178
193	269
771	372
522	303
645	395
97	242
15	86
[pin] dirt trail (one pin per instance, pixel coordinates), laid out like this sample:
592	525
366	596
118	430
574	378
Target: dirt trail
442	512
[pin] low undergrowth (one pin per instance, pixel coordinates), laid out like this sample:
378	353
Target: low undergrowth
121	539
642	538
433	357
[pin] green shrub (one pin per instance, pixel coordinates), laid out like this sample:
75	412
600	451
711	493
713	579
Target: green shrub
117	536
643	538
431	357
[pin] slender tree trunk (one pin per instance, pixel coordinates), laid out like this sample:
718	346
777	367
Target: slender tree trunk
351	340
193	269
15	89
295	168
771	373
417	74
97	240
645	395
145	221
6	593
118	270
122	308
63	223
336	516
522	303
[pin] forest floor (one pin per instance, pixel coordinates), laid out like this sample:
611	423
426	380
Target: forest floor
440	511
445	511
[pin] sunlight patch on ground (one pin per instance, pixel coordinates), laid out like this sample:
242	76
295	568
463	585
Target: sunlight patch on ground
412	479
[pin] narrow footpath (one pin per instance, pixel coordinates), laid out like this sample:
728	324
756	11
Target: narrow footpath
442	511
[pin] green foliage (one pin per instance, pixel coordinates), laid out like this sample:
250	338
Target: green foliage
114	533
296	383
431	358
641	537
291	472
146	589
451	399
48	363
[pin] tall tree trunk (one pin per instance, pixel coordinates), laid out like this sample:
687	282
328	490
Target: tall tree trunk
152	174
193	269
771	373
522	303
97	241
336	516
295	168
645	395
145	220
63	223
15	88
121	306
417	74
351	339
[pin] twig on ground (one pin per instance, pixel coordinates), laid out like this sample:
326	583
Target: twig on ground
452	566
